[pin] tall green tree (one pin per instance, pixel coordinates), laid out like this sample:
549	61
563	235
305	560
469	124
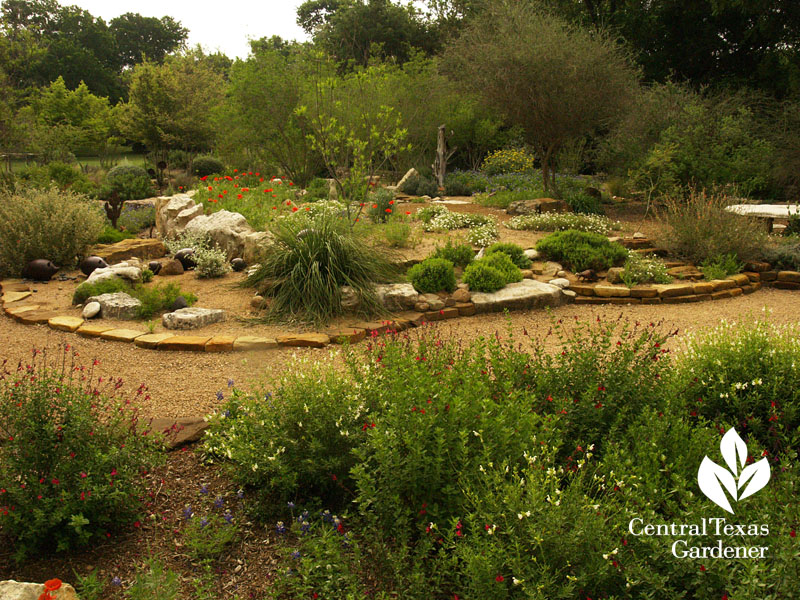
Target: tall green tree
138	37
557	81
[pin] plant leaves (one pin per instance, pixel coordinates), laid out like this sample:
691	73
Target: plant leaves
711	478
732	446
757	474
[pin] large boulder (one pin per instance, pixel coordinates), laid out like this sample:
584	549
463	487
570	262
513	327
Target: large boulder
226	229
409	174
142	248
131	271
397	296
173	213
527	293
253	244
537	206
192	318
17	590
119	305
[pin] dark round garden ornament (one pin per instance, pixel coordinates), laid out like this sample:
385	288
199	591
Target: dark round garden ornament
40	269
90	263
186	258
179	303
161	165
154	266
238	264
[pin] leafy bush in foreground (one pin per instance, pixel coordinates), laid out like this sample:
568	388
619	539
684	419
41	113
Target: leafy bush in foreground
71	455
58	226
481	277
580	250
514	252
458	254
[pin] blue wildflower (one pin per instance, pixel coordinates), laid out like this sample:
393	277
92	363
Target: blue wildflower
220	396
296	555
203	522
240	494
230	383
290	504
280	527
228	517
219	502
116	581
187	512
204	490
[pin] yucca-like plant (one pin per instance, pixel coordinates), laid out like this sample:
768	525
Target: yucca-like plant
309	260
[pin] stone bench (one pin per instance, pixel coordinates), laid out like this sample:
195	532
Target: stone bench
768	212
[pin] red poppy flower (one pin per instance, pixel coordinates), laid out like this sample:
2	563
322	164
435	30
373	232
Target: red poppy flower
239	196
388	210
51	585
294	209
499	579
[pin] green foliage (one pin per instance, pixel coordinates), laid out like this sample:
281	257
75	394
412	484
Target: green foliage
433	275
420	186
397	232
380	205
503	263
744	376
721	266
61	175
784	256
481	277
127	182
109	235
317	189
154	580
308	262
203	166
89	586
126	170
514	252
510	160
580	250
562	222
699	228
211	262
136	218
503	198
293	441
50	224
583	203
109	286
460	255
70	460
644	269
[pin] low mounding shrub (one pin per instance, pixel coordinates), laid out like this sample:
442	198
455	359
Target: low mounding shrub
71	456
459	254
745	376
203	166
420	186
127	182
580	250
480	277
584	203
503	263
433	275
699	228
644	269
50	224
380	205
562	222
721	266
784	256
308	262
211	262
511	160
109	235
514	252
126	170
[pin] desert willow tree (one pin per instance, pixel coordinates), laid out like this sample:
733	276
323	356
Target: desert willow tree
556	80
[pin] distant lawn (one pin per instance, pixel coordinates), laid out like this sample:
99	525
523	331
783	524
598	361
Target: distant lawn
93	161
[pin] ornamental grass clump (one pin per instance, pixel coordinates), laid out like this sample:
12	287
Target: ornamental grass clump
302	271
72	455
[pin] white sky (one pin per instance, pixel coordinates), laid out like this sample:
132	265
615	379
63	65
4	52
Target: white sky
222	25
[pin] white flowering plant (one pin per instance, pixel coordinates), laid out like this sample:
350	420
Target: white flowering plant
564	221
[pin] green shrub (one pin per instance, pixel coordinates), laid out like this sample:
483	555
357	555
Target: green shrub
397	232
580	250
514	252
433	275
420	186
136	218
58	226
511	160
502	198
126	171
745	376
583	203
209	526
109	286
154	580
721	266
203	166
460	255
109	235
644	269
317	189
784	256
459	183
179	159
158	298
562	222
480	277
70	461
127	186
211	262
503	263
308	262
293	441
427	214
699	228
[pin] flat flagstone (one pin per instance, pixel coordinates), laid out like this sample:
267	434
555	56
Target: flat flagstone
346	334
191	343
220	343
36	317
14	285
304	340
93	330
16	296
251	342
121	335
19	309
525	294
64	323
151	340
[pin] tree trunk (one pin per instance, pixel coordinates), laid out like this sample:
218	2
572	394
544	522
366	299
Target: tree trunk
440	163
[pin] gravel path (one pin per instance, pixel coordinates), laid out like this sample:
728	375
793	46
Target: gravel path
185	384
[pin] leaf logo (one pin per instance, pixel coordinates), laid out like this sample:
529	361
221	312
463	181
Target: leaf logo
715	480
